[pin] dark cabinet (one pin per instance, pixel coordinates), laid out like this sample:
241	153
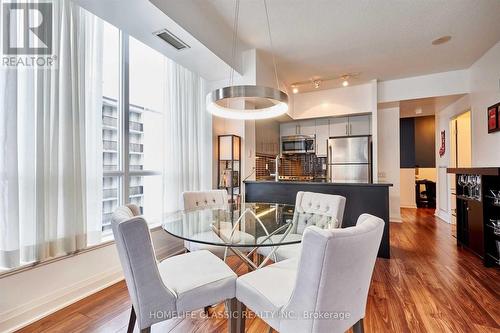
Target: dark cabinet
477	210
470	230
475	227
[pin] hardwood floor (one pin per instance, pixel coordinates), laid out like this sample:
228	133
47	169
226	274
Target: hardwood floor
429	285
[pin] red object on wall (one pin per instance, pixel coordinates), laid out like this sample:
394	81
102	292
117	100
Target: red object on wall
493	121
442	149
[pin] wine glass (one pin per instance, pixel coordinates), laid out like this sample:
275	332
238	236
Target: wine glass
461	182
478	186
473	185
468	182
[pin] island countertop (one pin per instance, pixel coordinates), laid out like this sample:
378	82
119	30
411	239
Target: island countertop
316	183
361	198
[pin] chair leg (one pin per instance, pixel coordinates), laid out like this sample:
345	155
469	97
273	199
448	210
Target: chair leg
131	322
232	315
241	308
358	327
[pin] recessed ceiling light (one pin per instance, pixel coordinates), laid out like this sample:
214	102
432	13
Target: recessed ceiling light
295	90
441	40
345	83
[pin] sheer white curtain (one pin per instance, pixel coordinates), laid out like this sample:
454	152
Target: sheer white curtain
188	126
49	145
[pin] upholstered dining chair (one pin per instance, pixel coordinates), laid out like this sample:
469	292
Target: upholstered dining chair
307	204
326	290
167	289
199	200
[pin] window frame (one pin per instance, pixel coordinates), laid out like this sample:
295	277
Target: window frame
124	173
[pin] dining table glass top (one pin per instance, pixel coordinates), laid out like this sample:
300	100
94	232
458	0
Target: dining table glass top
248	225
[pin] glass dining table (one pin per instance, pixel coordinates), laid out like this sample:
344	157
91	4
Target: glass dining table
243	229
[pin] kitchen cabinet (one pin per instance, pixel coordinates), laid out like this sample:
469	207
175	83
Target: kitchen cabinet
324	128
307	127
322	135
288	129
350	126
303	127
339	126
267	137
360	125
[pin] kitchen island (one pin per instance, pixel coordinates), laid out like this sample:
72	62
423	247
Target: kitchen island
360	198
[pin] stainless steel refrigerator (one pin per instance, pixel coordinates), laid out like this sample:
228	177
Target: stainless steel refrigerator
350	159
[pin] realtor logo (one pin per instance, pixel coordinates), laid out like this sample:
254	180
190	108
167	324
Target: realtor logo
27	31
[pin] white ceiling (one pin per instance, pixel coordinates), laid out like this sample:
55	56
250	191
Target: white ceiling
140	18
383	39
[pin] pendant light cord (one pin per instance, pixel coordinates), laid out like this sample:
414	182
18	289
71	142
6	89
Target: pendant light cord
272	47
235	40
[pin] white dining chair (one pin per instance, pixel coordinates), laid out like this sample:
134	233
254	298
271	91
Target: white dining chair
200	200
307	204
172	287
325	289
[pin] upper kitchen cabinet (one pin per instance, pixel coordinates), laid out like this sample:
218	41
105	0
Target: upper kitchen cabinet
267	137
360	125
350	126
339	126
287	129
322	135
303	127
307	127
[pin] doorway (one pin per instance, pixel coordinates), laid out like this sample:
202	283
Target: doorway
460	156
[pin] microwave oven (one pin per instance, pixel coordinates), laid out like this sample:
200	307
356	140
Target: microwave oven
298	144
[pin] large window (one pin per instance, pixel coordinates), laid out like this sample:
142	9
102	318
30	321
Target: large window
93	134
132	134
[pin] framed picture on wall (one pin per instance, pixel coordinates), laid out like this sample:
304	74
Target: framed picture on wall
493	121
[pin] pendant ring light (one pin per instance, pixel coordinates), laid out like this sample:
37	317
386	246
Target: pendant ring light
259	102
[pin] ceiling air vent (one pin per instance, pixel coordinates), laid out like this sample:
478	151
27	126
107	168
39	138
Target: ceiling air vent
171	39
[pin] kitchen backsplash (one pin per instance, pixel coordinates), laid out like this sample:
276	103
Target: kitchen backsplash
291	165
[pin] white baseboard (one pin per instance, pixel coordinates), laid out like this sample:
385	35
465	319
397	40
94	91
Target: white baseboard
28	313
409	206
444	216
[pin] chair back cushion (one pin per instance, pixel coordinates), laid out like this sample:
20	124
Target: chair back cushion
309	203
205	199
333	278
136	252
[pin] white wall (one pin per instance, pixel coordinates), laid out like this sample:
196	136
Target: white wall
433	85
333	102
388	157
485	91
30	295
407	185
484	81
